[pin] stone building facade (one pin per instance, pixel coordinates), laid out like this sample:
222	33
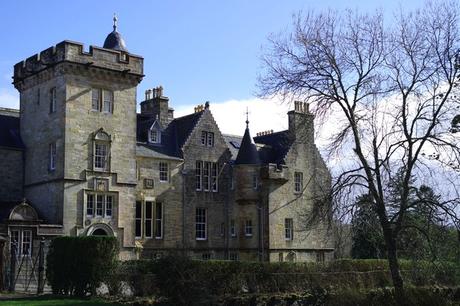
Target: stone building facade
80	161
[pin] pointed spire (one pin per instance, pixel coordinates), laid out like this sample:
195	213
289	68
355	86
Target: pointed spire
115	22
247	154
247	117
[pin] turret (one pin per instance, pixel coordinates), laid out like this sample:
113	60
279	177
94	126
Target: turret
247	168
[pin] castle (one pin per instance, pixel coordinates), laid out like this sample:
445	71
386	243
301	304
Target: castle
78	160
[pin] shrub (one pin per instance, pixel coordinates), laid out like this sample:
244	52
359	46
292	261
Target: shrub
78	265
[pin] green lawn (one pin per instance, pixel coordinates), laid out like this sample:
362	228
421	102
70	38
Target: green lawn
55	301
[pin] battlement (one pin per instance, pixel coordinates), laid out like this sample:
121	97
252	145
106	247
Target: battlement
69	51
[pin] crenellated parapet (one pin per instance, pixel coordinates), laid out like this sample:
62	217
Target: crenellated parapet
73	52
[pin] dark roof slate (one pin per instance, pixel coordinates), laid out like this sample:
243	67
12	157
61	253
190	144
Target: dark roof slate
9	132
276	146
247	154
173	137
114	41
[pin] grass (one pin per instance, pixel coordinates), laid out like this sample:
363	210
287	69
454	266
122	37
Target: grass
47	300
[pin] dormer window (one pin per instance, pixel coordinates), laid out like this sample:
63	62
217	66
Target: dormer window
154	136
154	133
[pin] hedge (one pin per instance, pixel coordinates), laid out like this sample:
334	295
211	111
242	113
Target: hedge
78	265
182	280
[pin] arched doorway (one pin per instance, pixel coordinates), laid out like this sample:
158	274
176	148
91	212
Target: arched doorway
99	232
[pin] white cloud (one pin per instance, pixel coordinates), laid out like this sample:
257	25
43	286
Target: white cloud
9	98
231	115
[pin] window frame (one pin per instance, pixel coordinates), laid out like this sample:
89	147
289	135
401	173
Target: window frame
199	175
232	228
20	241
163	171
102	100
53	100
214	177
138	219
248	228
206	176
288	229
159	221
52	156
298	182
97	205
148	220
201	220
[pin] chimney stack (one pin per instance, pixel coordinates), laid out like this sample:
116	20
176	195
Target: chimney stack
156	106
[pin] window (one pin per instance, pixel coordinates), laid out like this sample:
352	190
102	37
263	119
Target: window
102	100
210	139
207	139
158	220
90	204
21	240
288	229
248	228
99	205
53	100
206	176
298	182
255	181
108	101
214	173
203	138
108	206
206	256
164	171
222	229
138	226
198	174
155	136
319	256
148	220
26	245
232	228
52	156
100	156
206	169
101	151
200	224
96	98
234	256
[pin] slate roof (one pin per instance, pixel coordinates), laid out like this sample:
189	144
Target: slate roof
233	143
6	208
172	138
9	132
114	41
247	154
271	148
276	146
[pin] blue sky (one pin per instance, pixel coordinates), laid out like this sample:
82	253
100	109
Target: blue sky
197	50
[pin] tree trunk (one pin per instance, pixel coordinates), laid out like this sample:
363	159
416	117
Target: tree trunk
396	277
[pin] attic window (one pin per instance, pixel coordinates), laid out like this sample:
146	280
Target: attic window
235	144
154	136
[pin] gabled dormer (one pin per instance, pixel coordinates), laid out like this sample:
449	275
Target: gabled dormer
154	133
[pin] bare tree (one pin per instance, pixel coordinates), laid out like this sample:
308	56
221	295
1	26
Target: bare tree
390	90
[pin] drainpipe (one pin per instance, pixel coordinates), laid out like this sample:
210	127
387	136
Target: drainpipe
183	172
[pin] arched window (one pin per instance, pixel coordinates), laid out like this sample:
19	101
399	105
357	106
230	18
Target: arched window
101	151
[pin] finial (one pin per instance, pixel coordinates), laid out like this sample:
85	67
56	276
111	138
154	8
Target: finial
115	21
247	117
